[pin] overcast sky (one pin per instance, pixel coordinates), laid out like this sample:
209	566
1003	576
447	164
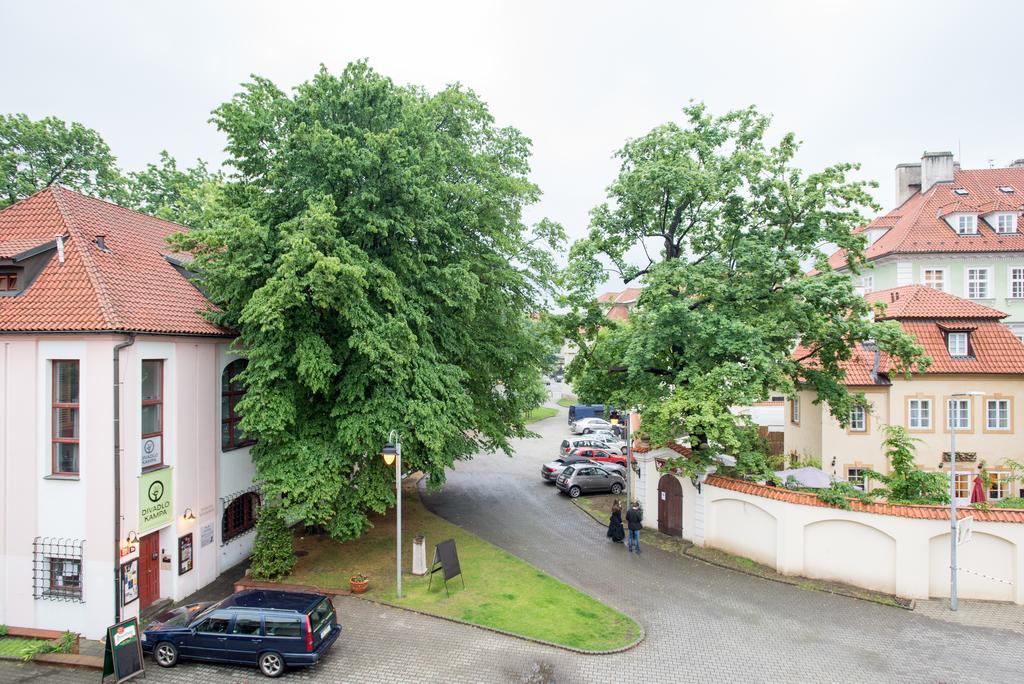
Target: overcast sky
865	81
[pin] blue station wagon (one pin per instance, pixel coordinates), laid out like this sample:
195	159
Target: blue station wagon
268	628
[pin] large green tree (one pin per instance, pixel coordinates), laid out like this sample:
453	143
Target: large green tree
718	226
35	154
371	253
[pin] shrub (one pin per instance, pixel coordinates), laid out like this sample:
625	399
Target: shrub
839	493
273	552
1009	502
907	483
3	630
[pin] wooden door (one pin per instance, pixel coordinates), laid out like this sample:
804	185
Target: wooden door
149	569
670	506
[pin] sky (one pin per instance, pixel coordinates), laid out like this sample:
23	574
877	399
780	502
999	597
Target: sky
859	81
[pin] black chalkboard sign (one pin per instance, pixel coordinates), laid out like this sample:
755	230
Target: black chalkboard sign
122	654
446	560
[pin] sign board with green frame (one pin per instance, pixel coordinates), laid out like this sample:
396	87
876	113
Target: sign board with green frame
122	653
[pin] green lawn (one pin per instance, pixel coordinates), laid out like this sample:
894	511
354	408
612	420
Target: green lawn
11	647
567	401
540	413
501	590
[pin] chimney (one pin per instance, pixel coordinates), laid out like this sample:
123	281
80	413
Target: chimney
936	167
1017	164
101	243
908	181
60	248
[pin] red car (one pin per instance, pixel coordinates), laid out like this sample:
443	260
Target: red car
598	455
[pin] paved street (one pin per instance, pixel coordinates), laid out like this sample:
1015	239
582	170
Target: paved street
703	623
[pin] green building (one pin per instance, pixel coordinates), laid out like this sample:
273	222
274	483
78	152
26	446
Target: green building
959	231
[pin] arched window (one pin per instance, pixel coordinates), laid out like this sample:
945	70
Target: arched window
231	390
239	515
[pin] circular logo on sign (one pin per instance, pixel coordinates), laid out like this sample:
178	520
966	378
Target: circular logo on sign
149	447
156	491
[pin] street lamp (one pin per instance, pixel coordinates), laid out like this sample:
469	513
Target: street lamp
953	525
392	453
614	420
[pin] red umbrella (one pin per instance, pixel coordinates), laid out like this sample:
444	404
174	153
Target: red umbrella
978	491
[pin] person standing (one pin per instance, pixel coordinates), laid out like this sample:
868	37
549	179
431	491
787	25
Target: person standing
634	516
615	531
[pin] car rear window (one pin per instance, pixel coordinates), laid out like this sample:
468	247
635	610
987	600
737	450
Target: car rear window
321	614
565	443
282	626
569	470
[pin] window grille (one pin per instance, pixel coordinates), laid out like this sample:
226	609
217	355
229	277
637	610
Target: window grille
240	512
57	569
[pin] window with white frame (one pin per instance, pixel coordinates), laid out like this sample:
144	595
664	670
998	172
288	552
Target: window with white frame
794	410
978	283
934	277
920	414
963	485
1006	223
1017	282
998	414
855	476
998	485
959	417
867	283
967	224
858	419
956	342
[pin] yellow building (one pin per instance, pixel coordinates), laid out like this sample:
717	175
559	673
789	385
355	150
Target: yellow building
971	352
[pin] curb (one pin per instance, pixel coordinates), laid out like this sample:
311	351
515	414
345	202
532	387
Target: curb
778	580
542	642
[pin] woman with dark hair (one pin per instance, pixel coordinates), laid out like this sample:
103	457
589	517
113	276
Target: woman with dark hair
615	531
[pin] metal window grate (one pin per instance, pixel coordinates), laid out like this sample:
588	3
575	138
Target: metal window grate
57	569
239	513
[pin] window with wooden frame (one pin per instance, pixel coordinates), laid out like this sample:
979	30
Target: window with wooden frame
998	485
153	409
1006	223
919	414
967	224
231	391
979	283
8	282
964	483
858	419
855	476
934	278
956	343
239	516
997	414
1016	282
794	410
65	418
958	414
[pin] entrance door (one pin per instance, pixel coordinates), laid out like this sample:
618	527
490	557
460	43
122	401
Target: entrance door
149	569
670	506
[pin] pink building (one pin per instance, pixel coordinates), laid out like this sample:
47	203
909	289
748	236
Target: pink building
124	479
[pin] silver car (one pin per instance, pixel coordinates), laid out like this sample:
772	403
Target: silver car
582	478
551	470
585	426
591	441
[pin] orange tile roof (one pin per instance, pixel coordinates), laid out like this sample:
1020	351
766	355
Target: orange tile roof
995	348
131	287
919	301
627	296
16	246
618	313
920	512
606	297
857	369
917	226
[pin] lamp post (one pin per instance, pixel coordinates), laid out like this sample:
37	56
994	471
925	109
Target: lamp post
614	420
392	453
953	524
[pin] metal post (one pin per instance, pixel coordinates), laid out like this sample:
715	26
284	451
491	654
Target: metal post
398	522
629	460
952	506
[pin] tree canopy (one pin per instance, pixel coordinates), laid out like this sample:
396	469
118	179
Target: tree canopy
178	195
724	226
371	253
35	154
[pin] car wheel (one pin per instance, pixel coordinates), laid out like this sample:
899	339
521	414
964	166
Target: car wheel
272	664
587	431
165	654
574	491
616	488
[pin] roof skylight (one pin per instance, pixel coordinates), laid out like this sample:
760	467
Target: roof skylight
961	191
1005	188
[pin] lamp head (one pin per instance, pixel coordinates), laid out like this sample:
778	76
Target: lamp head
390	452
189	515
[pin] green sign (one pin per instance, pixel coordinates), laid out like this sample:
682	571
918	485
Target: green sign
155	499
122	652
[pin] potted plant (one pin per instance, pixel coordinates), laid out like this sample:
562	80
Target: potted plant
358	583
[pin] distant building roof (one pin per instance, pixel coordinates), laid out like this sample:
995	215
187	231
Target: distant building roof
128	285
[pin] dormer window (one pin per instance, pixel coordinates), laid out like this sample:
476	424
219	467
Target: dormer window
967	224
8	282
1006	223
956	343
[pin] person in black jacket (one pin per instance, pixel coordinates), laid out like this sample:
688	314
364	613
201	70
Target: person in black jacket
615	531
634	516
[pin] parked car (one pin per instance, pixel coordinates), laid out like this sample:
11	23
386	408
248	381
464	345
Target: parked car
588	425
271	629
551	470
573	443
580	479
580	411
599	455
610	439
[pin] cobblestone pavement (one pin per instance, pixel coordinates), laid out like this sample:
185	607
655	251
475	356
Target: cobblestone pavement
703	623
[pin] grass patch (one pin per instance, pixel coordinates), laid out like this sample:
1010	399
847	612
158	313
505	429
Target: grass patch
540	413
501	591
13	647
567	401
